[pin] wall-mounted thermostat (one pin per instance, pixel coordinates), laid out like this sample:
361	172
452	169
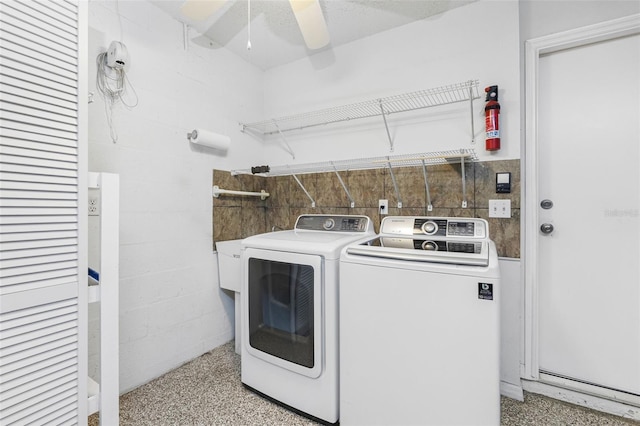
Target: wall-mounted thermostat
503	183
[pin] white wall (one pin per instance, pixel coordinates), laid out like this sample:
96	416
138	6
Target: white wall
539	18
478	41
171	309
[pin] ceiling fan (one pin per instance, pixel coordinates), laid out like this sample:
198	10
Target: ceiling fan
307	12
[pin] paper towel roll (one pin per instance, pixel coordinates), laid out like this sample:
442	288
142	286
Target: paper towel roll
210	139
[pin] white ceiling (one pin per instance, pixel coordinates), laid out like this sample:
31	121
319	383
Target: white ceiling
275	37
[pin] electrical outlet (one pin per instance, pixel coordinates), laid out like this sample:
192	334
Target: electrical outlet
383	206
499	208
94	203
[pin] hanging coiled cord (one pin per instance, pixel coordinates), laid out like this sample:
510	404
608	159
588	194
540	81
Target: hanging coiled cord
112	83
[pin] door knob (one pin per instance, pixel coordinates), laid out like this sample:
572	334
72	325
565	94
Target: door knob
546	228
546	204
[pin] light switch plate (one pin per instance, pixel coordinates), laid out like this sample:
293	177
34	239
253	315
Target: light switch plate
499	208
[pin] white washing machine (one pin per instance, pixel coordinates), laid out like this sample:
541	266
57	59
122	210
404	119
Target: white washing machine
419	325
290	311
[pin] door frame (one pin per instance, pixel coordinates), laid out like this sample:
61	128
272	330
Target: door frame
535	48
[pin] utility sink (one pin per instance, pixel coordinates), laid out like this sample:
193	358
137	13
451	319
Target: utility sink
229	267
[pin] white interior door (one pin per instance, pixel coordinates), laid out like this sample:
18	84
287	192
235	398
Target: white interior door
43	272
588	266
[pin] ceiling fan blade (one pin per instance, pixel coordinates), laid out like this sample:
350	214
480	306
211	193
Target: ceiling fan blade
199	10
311	22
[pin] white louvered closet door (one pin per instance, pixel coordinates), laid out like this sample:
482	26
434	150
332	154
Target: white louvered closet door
40	260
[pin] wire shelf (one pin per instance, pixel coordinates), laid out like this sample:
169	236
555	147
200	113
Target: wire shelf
429	158
443	95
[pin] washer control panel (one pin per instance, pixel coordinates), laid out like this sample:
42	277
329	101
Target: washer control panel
334	223
473	247
440	227
451	240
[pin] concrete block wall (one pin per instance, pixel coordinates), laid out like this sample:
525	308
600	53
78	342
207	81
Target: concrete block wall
171	307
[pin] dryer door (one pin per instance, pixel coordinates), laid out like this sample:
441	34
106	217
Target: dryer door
282	311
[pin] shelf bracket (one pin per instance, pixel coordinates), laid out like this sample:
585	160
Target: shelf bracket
395	184
286	144
386	125
352	203
426	186
464	183
473	131
313	202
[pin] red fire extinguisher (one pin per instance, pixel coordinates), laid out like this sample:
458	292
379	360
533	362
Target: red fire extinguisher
491	118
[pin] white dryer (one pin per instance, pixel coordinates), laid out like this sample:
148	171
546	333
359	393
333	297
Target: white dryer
290	311
419	325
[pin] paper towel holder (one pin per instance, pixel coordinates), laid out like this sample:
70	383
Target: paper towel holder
206	138
192	134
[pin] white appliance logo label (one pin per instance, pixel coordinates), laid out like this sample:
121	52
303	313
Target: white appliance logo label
485	291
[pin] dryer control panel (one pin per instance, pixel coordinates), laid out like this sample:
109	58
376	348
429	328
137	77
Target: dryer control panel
335	223
467	228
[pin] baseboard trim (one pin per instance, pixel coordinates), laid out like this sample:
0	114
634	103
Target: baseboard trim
511	391
582	399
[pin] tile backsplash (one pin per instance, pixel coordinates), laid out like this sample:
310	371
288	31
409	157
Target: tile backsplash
241	216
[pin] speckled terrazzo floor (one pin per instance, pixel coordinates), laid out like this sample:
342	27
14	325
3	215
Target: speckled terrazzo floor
208	391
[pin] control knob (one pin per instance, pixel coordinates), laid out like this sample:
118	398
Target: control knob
429	246
328	224
429	227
